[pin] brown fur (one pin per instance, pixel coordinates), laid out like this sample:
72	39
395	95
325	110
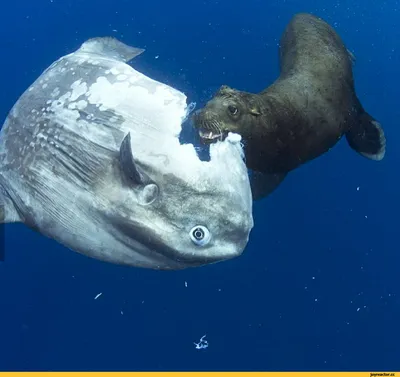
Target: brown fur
305	111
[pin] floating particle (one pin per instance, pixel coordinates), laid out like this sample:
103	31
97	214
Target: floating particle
98	295
202	344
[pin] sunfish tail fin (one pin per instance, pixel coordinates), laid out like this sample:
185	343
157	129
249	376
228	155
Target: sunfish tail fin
367	138
111	48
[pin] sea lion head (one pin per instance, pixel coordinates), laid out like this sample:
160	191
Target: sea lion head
230	110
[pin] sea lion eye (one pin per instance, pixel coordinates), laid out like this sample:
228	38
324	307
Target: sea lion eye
233	109
200	235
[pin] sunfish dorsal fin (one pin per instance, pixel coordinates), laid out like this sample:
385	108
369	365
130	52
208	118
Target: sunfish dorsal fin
110	47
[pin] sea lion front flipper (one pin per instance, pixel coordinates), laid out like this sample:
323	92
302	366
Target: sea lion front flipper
263	184
367	138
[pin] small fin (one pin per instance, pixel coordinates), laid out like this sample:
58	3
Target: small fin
2	221
263	184
111	47
127	163
351	56
367	138
2	244
8	214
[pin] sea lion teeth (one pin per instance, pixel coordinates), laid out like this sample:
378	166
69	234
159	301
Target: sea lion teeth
209	135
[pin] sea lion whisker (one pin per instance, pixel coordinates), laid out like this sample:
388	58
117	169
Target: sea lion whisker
214	126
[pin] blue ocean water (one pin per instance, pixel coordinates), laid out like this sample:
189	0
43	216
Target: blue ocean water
317	287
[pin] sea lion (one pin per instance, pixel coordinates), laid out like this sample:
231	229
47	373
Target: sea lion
302	115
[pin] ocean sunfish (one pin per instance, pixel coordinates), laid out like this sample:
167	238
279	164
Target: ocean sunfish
90	157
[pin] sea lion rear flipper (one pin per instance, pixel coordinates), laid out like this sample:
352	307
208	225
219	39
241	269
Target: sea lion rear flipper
367	138
263	184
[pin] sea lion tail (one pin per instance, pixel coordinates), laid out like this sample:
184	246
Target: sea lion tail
367	138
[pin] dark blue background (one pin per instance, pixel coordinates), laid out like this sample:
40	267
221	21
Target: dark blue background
318	285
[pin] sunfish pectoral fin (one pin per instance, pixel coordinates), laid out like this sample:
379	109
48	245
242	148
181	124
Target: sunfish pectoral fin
110	47
148	189
367	138
127	163
263	184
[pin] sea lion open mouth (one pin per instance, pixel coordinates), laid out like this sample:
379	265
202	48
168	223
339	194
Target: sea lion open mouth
210	129
208	136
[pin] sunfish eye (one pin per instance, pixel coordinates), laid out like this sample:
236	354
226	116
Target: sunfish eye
233	109
200	235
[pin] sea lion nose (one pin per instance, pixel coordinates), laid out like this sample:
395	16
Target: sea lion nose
196	116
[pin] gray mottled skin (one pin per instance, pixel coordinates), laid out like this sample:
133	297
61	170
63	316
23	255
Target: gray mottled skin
303	113
90	157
